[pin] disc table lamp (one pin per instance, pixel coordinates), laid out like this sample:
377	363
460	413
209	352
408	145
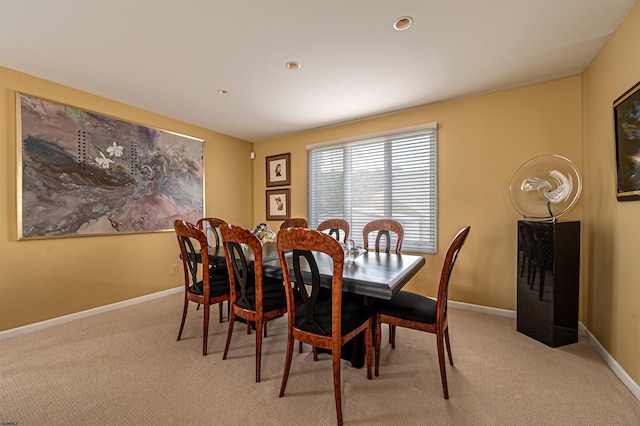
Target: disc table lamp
541	190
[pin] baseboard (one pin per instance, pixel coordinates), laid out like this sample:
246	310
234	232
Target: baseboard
83	314
612	363
483	309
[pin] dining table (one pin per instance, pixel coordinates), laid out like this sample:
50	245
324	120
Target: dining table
372	275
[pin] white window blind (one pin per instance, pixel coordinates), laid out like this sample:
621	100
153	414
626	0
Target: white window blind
392	176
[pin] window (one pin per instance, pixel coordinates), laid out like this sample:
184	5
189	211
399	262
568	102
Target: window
382	176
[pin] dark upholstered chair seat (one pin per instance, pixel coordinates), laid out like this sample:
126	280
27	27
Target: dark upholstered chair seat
353	315
273	296
218	287
219	280
219	274
409	306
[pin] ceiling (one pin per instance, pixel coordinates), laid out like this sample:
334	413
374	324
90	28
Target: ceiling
172	56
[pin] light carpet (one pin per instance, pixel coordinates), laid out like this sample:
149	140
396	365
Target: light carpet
125	367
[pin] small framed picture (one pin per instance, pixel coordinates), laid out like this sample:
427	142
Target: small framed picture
278	167
278	204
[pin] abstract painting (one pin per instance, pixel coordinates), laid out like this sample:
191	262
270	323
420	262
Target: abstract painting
82	173
626	110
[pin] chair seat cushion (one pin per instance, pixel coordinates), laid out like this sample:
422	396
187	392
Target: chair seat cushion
409	306
216	273
219	287
273	295
354	314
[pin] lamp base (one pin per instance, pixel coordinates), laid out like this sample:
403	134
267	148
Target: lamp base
548	281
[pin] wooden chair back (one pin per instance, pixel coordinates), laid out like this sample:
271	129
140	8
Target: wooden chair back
384	227
295	222
302	242
188	233
210	226
244	276
447	267
335	226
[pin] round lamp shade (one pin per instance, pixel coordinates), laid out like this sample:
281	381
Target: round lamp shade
545	187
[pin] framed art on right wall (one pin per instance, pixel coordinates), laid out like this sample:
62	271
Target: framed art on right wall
626	112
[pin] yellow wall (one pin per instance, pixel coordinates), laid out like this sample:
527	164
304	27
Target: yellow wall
612	232
43	279
481	142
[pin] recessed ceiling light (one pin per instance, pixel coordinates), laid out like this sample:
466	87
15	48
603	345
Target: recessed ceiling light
223	92
403	23
292	65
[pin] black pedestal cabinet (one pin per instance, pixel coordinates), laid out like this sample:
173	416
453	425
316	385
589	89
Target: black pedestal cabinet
548	281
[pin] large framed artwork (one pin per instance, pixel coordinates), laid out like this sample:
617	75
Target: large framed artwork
278	167
278	204
626	111
81	173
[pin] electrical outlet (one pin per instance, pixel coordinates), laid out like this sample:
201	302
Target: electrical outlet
174	269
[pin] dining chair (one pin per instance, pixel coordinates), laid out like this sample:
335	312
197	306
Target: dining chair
203	291
335	226
382	229
254	298
323	321
295	222
411	310
217	270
